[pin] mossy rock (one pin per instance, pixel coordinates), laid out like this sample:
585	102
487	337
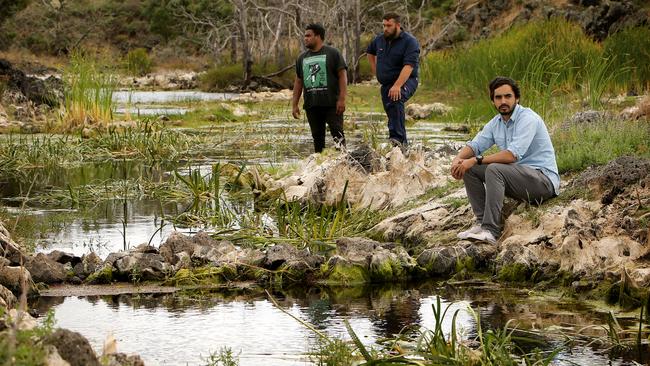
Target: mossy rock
344	274
386	270
102	276
203	276
516	272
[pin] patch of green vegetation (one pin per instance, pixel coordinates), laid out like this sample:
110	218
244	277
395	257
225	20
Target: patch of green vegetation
628	52
137	62
386	271
102	276
578	147
225	357
516	272
88	93
455	202
25	347
202	276
333	352
344	274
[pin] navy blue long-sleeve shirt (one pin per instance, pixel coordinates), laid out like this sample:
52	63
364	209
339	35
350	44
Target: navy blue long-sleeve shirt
393	55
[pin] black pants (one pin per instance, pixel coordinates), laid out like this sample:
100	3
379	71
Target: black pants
318	117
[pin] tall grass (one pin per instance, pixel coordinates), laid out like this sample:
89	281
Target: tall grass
580	146
630	51
548	53
88	93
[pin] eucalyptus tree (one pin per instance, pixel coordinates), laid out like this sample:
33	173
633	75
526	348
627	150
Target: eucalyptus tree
263	30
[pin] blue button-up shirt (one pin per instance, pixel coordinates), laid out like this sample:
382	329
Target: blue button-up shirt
393	55
526	136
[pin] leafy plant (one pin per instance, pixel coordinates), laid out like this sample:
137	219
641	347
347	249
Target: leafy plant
137	62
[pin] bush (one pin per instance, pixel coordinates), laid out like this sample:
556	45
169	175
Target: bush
221	76
138	62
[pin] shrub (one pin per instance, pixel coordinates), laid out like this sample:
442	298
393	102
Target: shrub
221	76
138	62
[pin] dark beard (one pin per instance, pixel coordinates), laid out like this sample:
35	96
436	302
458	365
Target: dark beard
390	37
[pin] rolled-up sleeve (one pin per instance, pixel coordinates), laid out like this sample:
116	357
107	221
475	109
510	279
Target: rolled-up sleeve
372	48
483	140
412	53
522	136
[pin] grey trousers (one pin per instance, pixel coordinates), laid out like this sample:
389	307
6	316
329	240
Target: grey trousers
486	186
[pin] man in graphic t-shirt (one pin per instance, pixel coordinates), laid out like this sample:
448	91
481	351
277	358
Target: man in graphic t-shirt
321	74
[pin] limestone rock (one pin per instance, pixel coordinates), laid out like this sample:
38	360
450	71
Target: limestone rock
7	298
73	348
45	270
424	111
13	278
141	267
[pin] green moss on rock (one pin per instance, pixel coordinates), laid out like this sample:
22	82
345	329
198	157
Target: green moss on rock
345	274
516	272
102	276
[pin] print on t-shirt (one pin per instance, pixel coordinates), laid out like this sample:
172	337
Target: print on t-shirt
314	72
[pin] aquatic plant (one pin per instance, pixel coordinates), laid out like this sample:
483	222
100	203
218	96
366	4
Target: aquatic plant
88	93
430	346
224	357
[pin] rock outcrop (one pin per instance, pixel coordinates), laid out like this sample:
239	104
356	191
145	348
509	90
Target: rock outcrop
367	180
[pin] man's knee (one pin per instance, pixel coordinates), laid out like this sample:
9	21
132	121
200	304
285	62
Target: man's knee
496	169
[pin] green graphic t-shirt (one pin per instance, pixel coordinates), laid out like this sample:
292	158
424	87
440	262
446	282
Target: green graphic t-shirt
319	74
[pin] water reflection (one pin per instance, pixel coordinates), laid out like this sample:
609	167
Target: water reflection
178	329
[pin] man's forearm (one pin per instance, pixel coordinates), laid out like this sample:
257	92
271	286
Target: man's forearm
372	60
297	91
343	84
503	157
465	153
403	75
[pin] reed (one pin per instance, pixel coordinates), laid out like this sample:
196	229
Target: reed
88	93
629	50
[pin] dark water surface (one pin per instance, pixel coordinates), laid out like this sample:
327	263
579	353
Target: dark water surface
183	330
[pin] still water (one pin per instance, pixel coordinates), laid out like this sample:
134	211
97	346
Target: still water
181	330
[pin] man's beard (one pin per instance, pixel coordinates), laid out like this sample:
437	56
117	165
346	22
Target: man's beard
390	36
506	113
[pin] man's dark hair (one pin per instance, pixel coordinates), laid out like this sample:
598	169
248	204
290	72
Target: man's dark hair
396	17
318	30
500	81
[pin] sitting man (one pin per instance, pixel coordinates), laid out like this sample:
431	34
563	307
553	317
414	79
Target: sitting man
524	168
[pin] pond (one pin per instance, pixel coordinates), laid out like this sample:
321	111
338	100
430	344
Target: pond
185	330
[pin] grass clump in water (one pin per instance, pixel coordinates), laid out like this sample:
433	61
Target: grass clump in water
88	92
137	62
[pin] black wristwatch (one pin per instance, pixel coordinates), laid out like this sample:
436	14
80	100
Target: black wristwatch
479	159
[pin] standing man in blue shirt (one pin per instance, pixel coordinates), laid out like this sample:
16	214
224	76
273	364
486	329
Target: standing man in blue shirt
394	57
524	168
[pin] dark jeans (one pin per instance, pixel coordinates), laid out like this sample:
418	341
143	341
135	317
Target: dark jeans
318	117
486	186
395	109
